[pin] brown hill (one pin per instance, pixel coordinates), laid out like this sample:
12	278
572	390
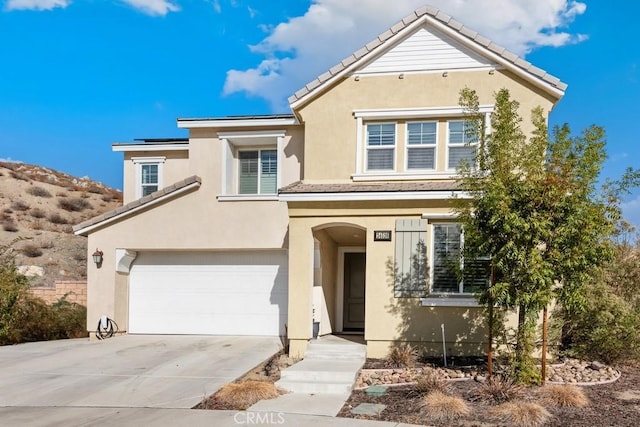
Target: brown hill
38	207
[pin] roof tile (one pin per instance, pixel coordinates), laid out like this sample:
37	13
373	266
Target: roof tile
441	16
430	13
370	187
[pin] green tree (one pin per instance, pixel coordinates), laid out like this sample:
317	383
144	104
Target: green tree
535	208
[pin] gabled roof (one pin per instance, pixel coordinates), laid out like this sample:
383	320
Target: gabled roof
446	24
154	198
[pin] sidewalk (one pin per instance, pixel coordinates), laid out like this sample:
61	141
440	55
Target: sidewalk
125	417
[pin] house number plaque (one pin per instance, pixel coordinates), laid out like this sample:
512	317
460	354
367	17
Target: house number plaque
382	235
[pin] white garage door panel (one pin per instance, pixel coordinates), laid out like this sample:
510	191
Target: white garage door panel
209	293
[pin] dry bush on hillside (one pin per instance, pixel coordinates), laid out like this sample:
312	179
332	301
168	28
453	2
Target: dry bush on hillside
20	206
246	393
36	225
30	250
441	407
402	356
95	189
38	191
19	176
45	243
56	218
61	194
74	205
564	396
37	213
8	225
521	414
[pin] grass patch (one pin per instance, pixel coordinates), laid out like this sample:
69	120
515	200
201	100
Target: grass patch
38	191
431	381
402	356
19	176
243	395
522	414
498	390
564	396
441	407
76	204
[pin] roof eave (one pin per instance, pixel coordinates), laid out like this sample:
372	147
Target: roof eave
132	147
231	123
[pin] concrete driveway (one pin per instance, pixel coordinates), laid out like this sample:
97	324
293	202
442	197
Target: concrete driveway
130	371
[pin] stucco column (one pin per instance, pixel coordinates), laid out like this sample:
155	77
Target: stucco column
300	286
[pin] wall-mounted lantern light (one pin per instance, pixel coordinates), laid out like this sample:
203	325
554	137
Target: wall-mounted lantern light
97	257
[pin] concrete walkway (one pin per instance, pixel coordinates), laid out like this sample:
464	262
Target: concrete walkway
146	371
135	417
320	383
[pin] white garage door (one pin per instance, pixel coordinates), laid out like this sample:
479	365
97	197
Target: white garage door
239	293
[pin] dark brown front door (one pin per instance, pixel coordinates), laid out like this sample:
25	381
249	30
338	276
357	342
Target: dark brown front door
354	272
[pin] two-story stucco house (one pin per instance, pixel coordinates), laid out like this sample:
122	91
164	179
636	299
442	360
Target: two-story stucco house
338	213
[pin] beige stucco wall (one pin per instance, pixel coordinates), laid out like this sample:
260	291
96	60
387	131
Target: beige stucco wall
193	221
332	128
174	169
388	319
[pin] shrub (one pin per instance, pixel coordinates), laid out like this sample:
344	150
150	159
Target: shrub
61	194
441	407
77	204
20	206
431	381
9	225
56	218
37	213
36	225
106	198
95	189
564	396
498	389
19	176
38	191
403	356
31	250
46	244
521	414
244	394
71	319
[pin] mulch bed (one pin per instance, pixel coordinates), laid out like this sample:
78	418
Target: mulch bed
605	408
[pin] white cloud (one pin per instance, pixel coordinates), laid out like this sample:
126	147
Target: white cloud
631	211
305	46
36	4
153	7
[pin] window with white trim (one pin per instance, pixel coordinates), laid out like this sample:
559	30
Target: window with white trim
462	146
148	174
422	138
257	171
381	144
451	272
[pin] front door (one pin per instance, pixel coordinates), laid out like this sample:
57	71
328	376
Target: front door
354	272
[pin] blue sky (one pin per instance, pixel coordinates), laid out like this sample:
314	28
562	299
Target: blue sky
78	75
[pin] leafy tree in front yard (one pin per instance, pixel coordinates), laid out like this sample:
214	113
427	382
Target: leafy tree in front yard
536	208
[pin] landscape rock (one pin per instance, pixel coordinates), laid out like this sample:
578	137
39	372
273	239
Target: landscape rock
31	270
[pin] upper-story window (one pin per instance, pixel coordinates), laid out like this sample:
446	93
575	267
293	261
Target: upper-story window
421	145
461	146
451	272
381	143
257	171
148	175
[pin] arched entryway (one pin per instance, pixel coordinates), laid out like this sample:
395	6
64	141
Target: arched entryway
339	286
